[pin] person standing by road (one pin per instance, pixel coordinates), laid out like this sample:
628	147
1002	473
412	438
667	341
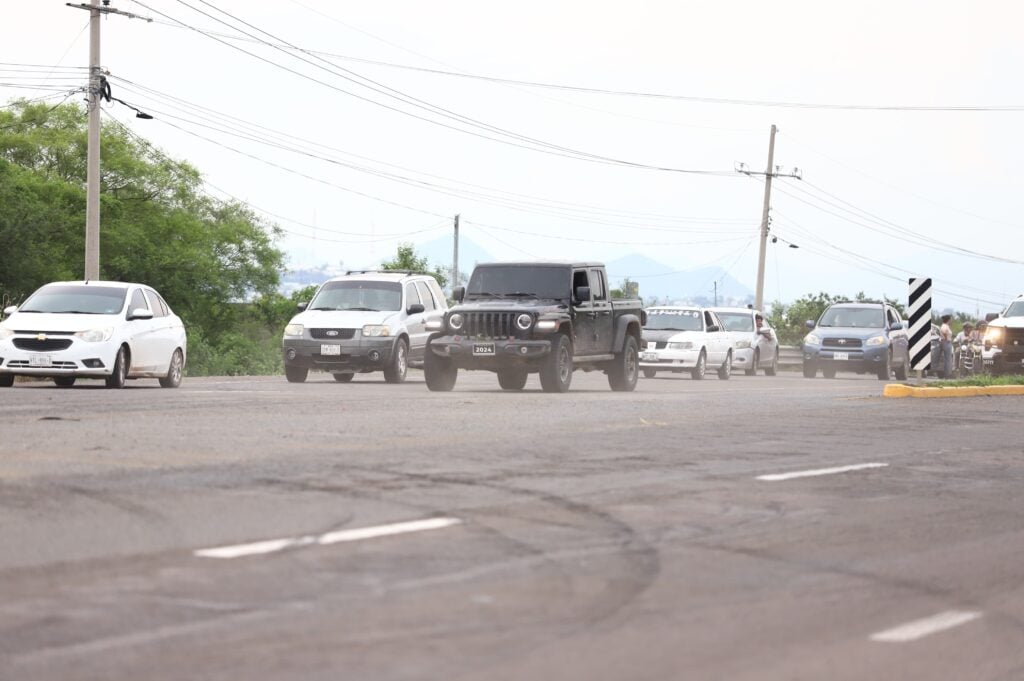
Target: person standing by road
946	347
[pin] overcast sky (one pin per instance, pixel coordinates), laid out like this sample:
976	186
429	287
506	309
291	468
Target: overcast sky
352	157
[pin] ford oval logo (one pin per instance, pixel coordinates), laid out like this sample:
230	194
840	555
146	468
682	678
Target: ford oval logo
332	332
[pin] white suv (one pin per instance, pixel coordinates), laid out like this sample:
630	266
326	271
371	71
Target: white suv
367	320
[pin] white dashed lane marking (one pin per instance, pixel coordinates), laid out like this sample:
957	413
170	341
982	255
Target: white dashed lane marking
912	631
274	545
777	477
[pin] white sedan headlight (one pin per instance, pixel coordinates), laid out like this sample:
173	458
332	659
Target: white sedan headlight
376	330
742	345
686	345
875	340
293	330
812	339
96	335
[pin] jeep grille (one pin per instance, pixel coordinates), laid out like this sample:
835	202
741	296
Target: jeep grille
490	324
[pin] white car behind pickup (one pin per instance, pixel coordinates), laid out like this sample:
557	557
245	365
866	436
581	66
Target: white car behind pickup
681	339
755	345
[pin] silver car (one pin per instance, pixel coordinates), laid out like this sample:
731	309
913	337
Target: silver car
755	344
362	322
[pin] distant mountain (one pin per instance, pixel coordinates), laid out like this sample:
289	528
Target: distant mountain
665	283
439	252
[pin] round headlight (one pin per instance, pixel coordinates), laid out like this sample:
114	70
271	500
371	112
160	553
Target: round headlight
455	321
524	321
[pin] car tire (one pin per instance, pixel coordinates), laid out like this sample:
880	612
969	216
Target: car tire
440	373
650	373
556	369
752	371
885	371
828	372
343	378
810	371
625	370
697	372
296	374
774	368
119	376
174	371
6	380
902	372
725	371
64	381
512	379
396	369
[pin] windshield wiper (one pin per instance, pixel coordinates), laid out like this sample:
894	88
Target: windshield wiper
75	312
329	309
522	294
362	309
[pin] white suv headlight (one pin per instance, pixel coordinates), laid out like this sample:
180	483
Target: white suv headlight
376	330
686	345
293	330
96	335
812	339
876	340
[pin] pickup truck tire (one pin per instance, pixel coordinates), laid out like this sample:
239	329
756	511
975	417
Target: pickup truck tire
296	374
439	373
650	373
774	368
512	379
625	369
396	369
752	371
556	371
885	370
725	371
697	372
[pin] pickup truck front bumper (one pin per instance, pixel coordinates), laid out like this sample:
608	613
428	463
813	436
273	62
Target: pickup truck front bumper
490	354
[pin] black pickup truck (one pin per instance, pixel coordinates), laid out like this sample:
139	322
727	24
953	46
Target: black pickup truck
548	318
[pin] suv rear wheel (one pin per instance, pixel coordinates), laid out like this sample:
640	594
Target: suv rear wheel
556	370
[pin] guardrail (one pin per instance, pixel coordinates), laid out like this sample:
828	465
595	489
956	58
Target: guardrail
791	357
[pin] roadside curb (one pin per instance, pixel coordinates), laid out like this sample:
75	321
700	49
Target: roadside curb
900	390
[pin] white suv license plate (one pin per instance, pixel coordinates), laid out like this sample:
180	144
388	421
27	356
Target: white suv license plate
330	349
844	356
40	361
484	349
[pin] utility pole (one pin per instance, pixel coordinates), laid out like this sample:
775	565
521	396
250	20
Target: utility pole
92	171
771	171
716	293
455	255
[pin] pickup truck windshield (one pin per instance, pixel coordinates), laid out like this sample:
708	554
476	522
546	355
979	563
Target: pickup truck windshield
856	317
519	281
673	320
373	296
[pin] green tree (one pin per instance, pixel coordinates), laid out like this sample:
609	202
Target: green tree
627	289
406	259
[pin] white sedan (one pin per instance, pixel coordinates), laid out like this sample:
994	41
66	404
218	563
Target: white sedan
755	345
685	339
97	329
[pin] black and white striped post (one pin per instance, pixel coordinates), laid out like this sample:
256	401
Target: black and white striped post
919	313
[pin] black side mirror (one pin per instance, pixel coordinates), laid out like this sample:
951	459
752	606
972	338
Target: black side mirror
712	328
301	306
809	323
458	293
415	308
582	294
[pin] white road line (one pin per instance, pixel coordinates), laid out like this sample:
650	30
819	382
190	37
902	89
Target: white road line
911	631
776	477
274	545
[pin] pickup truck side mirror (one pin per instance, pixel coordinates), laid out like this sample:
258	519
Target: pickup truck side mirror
809	323
458	293
582	294
415	308
301	306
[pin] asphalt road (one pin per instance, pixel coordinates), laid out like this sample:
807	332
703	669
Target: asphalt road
247	528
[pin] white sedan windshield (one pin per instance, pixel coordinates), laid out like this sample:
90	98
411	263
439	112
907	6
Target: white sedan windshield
76	299
673	320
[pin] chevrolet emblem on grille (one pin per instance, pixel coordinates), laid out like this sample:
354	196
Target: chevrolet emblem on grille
41	337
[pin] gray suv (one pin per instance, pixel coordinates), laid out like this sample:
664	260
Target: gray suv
364	321
860	337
